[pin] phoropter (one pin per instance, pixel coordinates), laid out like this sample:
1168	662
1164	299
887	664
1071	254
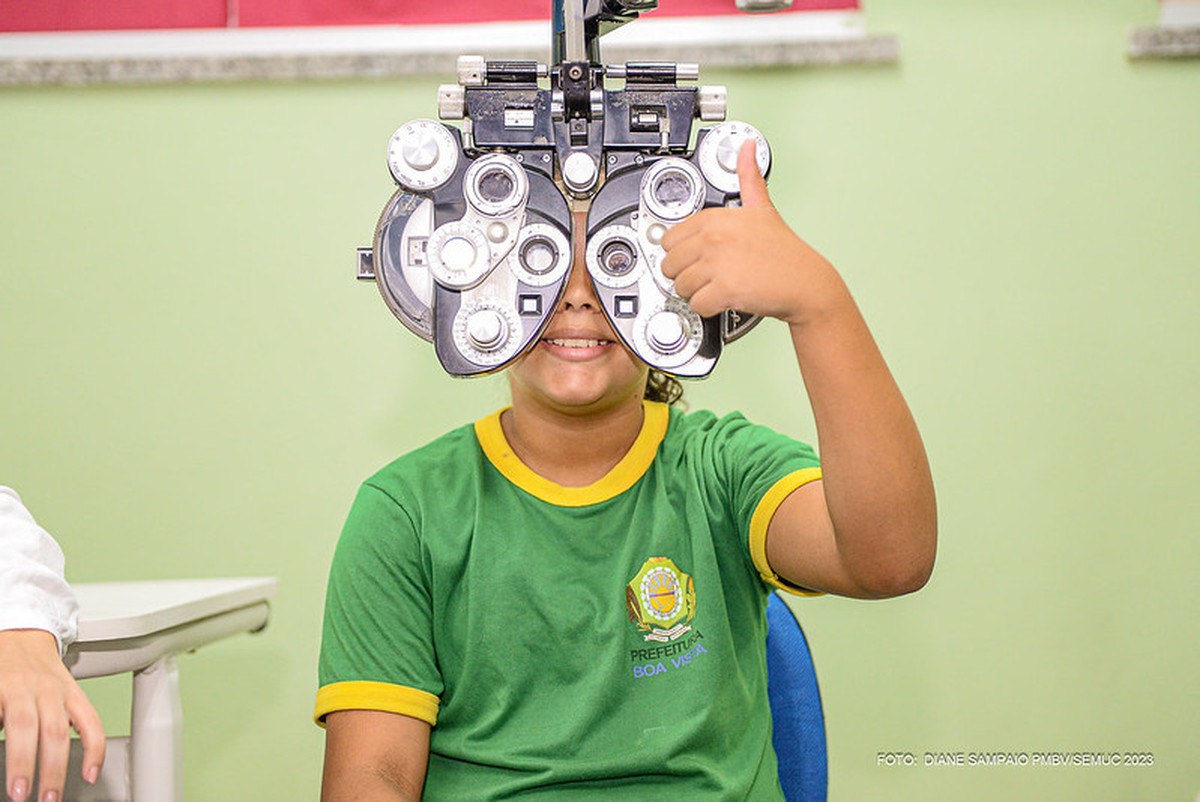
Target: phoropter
473	250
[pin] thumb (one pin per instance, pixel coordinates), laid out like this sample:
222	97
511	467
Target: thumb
753	186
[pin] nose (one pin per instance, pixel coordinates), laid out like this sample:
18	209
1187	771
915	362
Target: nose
579	293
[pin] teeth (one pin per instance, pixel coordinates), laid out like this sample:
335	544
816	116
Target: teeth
573	343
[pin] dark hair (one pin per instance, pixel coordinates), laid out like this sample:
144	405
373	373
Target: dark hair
664	388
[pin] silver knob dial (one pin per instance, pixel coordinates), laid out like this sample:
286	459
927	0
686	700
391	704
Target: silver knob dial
718	153
458	255
579	171
422	155
666	332
487	330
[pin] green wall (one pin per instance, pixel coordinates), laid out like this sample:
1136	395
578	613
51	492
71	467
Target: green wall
192	384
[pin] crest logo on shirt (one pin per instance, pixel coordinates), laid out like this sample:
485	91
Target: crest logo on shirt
661	600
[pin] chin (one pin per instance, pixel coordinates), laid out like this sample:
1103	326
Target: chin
578	388
584	399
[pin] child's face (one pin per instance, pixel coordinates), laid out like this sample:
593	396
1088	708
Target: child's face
579	363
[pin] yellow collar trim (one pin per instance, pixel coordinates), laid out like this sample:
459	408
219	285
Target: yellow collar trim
623	476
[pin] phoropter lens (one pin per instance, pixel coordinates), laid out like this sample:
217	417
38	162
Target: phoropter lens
617	257
538	255
673	188
496	185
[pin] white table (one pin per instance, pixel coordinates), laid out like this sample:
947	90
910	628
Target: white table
142	627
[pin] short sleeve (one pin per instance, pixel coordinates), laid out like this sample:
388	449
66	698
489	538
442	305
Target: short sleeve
757	468
377	648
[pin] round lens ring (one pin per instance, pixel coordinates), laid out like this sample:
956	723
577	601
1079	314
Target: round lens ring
538	255
673	188
496	185
617	257
614	257
542	255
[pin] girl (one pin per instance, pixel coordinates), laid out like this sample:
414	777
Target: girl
566	600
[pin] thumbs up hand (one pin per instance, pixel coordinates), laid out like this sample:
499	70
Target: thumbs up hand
751	184
747	258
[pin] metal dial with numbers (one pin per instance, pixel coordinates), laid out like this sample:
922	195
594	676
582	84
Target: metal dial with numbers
718	153
422	155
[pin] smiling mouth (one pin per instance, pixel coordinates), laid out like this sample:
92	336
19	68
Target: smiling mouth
575	342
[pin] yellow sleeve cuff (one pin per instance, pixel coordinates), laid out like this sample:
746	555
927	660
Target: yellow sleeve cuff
761	520
381	696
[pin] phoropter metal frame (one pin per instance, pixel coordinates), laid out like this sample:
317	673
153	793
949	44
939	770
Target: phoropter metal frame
473	250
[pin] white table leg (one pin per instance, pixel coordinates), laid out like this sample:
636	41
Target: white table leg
156	733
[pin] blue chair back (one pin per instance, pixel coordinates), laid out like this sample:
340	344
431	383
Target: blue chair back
797	716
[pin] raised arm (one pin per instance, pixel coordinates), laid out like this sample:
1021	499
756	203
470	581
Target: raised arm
372	756
869	528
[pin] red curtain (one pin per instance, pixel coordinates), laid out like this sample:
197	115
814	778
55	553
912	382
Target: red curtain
94	15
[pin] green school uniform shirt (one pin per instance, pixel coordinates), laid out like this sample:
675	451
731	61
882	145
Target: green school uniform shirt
569	643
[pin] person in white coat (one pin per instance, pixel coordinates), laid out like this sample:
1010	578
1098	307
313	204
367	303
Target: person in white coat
39	699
